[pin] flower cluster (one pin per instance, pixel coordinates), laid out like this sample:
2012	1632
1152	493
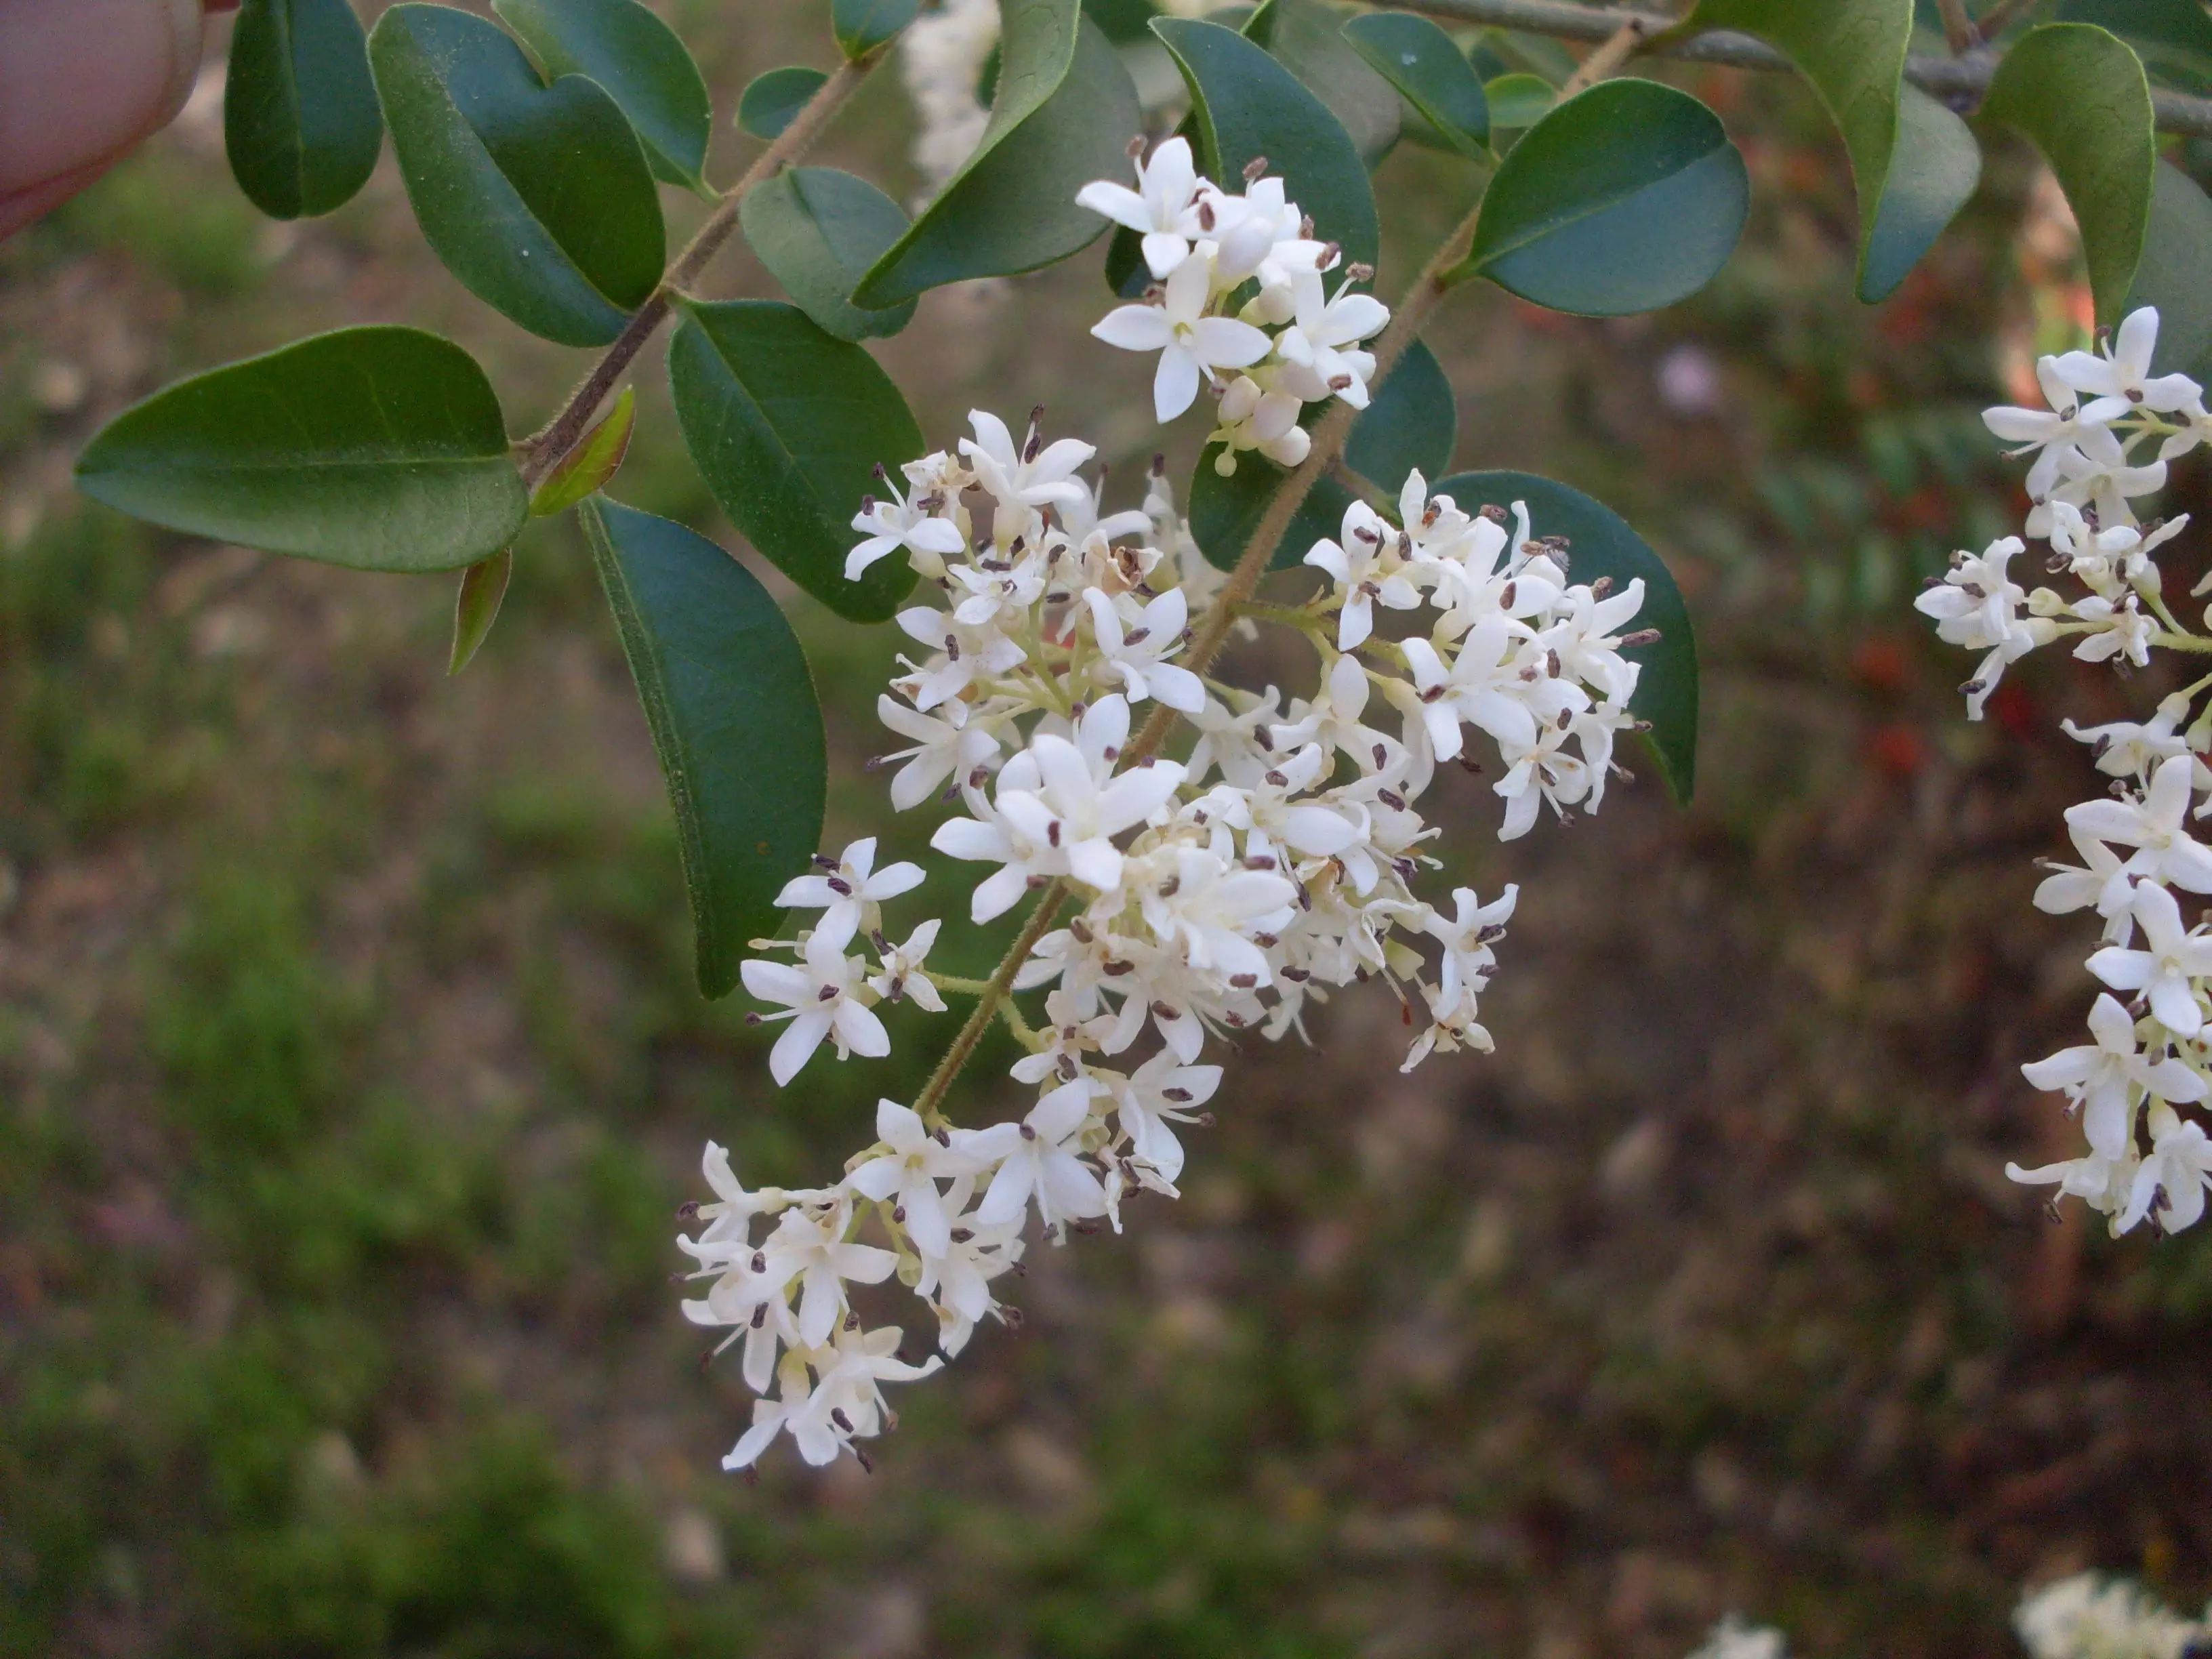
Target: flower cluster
2091	1617
1209	860
1292	339
2150	1051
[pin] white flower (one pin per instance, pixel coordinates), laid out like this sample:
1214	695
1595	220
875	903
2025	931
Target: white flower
818	1001
2156	824
941	59
1208	909
1161	207
847	889
1038	1157
967	655
730	1215
1038	474
1320	339
2088	1617
1732	1638
2105	882
751	1295
2101	1182
899	972
1158	1094
1977	605
958	1285
2050	431
1191	345
1259	418
1467	935
2163	971
906	1176
942	748
1135	658
1366	567
895	524
2123	631
2170	1187
809	1245
2130	749
795	1410
1452	1026
2103	1077
850	1385
2119	377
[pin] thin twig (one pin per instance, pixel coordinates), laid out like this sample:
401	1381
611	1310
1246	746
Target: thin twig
1960	79
1959	30
1609	55
542	453
2000	17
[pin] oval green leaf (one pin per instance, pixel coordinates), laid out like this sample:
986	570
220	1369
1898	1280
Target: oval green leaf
1064	113
1412	421
537	197
1248	106
1626	197
772	100
1519	99
381	448
1933	173
734	720
591	464
300	119
818	230
1853	52
1306	37
1601	544
787	425
1430	74
2177	262
2081	95
2183	26
476	607
639	61
861	26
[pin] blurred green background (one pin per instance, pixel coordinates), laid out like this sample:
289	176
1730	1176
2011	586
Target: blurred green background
351	1072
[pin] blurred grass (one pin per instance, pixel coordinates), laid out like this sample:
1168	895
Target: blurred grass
352	1069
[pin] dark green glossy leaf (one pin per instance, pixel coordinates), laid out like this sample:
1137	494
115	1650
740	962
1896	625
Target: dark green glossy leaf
1626	197
537	197
640	62
772	100
734	720
2081	95
1248	106
1122	20
1601	544
2182	25
591	464
476	607
1933	173
787	425
861	26
1412	422
817	231
2176	273
381	448
1064	113
300	119
1306	37
1519	99
1853	52
1430	73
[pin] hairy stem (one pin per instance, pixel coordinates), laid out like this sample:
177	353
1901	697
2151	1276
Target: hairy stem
542	453
1965	78
1328	437
1610	55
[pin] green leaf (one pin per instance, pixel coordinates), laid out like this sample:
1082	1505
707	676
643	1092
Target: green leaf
1122	20
1306	37
591	464
1419	59
2080	93
476	607
1626	197
300	119
787	425
1412	422
2176	273
734	717
1853	52
1248	106
817	231
640	62
381	448
2184	25
537	197
1934	172
772	100
1601	543
1064	114
1519	99
861	26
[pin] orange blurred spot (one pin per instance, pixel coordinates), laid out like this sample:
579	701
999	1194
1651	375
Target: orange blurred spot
1898	750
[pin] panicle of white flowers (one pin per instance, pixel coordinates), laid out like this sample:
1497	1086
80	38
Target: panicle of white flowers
2103	443
941	59
1244	300
1277	861
2092	1617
